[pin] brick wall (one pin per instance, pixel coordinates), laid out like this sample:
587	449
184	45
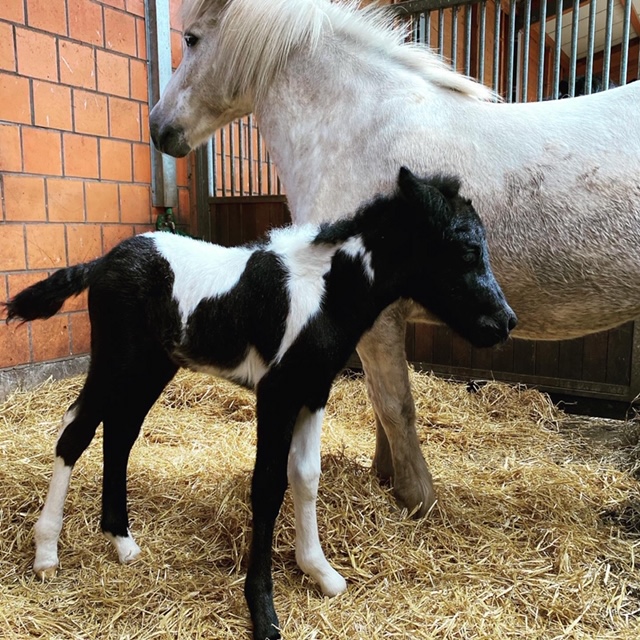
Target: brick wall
74	152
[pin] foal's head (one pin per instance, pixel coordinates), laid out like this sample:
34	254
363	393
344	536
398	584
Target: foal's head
450	271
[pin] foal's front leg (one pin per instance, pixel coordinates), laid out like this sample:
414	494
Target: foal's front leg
398	457
304	476
276	419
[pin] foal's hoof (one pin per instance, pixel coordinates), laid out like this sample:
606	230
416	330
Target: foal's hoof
45	573
126	548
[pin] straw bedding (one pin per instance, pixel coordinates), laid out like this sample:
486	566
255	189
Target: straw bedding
536	532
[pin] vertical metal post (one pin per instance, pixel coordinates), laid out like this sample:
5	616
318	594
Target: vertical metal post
591	43
557	51
511	50
606	61
575	17
482	40
624	59
542	48
467	39
525	50
164	189
496	47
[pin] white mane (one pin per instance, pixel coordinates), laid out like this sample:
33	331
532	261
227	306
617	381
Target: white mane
256	38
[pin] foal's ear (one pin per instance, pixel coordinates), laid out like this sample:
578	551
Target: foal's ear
420	192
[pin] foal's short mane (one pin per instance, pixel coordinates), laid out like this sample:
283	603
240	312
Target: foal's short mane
257	37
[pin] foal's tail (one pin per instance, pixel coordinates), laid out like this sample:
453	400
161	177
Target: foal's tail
43	299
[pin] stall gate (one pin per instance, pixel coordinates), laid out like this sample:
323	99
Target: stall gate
525	50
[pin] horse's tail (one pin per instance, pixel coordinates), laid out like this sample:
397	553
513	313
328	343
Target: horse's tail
43	299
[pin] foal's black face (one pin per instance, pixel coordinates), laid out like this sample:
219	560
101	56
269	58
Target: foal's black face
453	277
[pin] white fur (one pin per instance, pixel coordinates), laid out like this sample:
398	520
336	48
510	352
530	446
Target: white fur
354	248
201	269
126	548
249	372
304	474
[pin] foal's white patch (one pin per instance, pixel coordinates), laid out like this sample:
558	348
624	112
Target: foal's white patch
201	269
306	265
127	549
249	372
49	524
354	248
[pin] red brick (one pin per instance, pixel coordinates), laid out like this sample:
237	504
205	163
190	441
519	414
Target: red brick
114	234
115	160
120	4
139	86
84	242
12	257
12	10
143	228
113	74
50	339
120	32
48	15
102	202
75	303
80	333
77	64
85	21
182	171
80	155
37	56
141	163
175	15
124	118
46	246
135	203
141	33
144	123
52	105
136	7
65	200
90	113
7	53
10	148
15	105
184	204
41	151
24	198
14	344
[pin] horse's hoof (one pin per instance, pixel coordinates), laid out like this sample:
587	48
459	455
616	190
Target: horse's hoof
46	573
334	586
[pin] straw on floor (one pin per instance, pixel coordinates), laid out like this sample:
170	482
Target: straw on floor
535	533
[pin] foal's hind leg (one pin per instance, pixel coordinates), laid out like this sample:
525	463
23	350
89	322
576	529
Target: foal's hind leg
78	428
134	394
398	457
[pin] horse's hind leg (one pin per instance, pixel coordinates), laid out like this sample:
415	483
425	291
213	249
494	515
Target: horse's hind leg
134	393
78	428
398	457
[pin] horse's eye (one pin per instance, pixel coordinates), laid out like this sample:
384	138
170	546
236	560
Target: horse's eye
190	40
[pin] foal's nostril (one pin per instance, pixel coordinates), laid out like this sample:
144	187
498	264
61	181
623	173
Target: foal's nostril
513	321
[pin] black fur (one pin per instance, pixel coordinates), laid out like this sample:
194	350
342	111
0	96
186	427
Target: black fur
424	243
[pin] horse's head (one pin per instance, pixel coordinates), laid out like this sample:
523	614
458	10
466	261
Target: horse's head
451	275
199	98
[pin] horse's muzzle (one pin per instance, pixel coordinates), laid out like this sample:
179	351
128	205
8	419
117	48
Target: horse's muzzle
169	140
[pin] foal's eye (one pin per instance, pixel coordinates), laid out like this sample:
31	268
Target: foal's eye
469	257
190	40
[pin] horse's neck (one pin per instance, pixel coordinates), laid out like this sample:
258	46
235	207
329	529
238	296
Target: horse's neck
314	119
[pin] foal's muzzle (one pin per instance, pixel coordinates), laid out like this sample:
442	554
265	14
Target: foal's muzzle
494	329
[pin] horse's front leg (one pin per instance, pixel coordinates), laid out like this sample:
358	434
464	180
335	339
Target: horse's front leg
304	476
397	458
276	420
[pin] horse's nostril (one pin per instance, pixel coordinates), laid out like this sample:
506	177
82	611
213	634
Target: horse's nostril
513	321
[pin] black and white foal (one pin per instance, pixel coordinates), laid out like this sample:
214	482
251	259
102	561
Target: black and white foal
282	317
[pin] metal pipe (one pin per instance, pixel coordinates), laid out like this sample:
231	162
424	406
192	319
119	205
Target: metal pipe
541	48
557	51
591	43
525	50
575	17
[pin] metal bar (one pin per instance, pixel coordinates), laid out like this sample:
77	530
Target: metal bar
416	6
250	153
260	162
441	32
269	185
241	155
606	61
496	48
624	58
591	43
211	173
557	51
525	50
164	188
223	164
232	160
575	17
454	37
202	191
467	40
511	49
427	28
482	45
541	48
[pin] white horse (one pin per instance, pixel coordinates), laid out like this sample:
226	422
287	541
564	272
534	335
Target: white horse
342	101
